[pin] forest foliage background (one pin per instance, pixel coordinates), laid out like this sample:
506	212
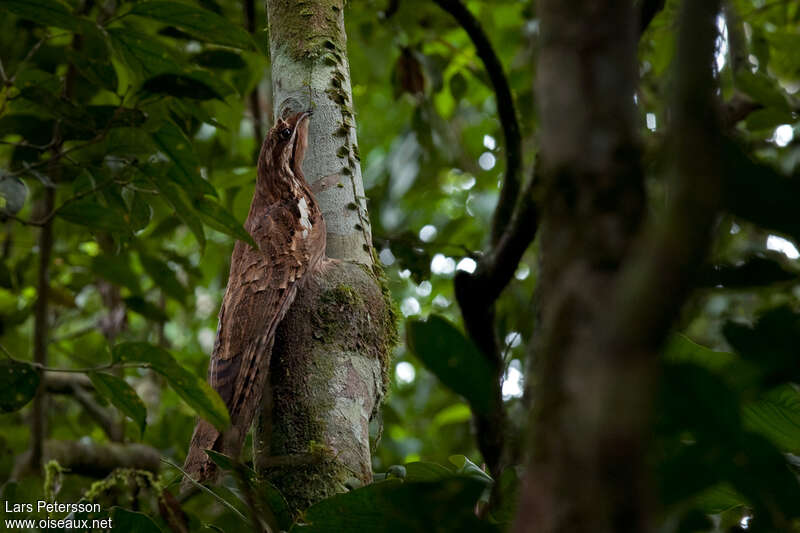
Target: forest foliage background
127	130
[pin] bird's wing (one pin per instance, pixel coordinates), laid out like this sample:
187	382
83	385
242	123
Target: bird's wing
262	285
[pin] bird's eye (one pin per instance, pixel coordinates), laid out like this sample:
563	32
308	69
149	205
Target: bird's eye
285	133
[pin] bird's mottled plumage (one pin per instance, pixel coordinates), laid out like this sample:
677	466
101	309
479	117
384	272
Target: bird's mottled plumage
286	223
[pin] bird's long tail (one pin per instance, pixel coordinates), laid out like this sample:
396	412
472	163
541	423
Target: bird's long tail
198	465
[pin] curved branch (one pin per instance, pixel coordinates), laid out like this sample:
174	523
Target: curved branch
505	109
93	459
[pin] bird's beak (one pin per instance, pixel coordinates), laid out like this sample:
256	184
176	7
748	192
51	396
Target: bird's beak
306	115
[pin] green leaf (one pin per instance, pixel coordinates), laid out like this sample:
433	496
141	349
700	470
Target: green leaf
454	414
93	61
219	59
116	269
18	384
453	359
121	395
425	471
180	86
132	522
175	145
777	417
177	198
762	89
468	468
137	304
440	506
145	55
760	269
768	119
202	24
194	391
220	219
229	464
681	349
771	344
756	192
87	212
46	13
164	277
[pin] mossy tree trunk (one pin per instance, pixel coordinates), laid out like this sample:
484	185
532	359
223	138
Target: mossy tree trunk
331	355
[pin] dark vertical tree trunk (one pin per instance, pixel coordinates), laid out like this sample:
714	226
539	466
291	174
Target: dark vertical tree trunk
610	286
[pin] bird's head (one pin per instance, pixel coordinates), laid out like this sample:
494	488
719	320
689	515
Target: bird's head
285	146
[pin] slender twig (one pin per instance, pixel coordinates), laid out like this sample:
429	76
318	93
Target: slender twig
505	109
205	489
49	216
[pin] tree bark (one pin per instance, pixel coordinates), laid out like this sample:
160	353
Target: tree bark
329	365
610	290
586	472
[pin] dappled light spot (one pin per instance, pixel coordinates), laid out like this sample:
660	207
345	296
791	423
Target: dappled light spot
651	121
783	135
467	265
424	288
405	373
441	301
489	142
410	306
513	339
440	264
779	244
523	271
427	233
387	257
512	381
487	160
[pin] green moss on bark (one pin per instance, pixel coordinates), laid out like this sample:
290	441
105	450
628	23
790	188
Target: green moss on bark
307	29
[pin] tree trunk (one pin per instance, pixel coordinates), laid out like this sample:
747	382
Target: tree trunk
330	361
587	469
610	286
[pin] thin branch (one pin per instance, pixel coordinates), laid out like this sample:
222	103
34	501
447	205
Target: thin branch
655	282
41	328
509	192
52	213
207	490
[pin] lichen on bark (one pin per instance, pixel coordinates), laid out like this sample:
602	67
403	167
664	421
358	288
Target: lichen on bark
328	377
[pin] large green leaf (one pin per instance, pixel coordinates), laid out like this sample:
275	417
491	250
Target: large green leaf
178	199
137	304
202	24
125	521
18	384
164	277
186	173
144	54
777	417
194	391
88	212
116	269
121	395
394	506
454	359
181	86
46	13
758	193
220	219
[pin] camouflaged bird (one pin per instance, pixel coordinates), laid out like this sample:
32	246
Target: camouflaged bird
286	223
